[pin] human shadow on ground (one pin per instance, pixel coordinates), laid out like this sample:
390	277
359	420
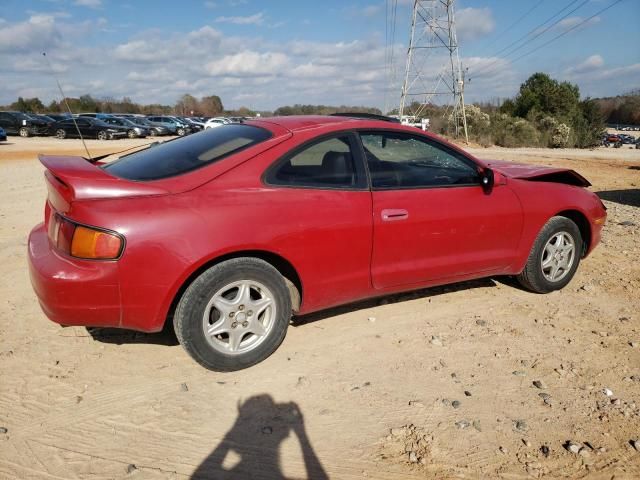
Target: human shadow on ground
250	450
624	197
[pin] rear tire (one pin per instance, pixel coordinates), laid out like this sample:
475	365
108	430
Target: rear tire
234	315
24	132
61	134
554	258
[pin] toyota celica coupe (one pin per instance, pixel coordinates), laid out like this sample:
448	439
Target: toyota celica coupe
229	232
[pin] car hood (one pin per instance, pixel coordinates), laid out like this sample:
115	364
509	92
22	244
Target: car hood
538	173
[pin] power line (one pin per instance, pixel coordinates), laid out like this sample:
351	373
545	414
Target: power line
522	17
390	34
567	31
526	54
537	35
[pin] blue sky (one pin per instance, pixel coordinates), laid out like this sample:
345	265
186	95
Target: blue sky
263	54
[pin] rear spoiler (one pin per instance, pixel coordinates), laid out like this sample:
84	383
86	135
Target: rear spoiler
74	178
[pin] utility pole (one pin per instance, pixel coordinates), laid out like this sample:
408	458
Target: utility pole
433	62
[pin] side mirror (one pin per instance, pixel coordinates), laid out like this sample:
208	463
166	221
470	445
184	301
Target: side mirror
487	180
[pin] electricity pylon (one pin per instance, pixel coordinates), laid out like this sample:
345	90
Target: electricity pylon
433	63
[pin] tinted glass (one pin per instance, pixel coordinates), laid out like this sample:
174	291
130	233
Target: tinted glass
185	154
327	163
400	160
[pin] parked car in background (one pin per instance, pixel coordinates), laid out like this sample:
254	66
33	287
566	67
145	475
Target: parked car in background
3	135
18	123
133	130
175	125
95	115
155	129
627	139
45	118
216	122
193	125
58	116
89	127
379	208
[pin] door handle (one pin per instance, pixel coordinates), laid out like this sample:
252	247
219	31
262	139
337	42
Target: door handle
393	214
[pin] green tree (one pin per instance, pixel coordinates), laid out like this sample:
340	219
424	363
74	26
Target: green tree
28	105
545	96
590	127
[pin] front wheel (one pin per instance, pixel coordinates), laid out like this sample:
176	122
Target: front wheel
102	135
554	258
132	134
24	132
233	315
181	132
60	133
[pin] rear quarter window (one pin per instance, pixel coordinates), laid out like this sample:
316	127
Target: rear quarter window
182	155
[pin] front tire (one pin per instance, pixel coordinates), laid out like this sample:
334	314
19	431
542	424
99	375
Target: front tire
132	134
554	258
24	132
102	135
61	134
233	315
181	132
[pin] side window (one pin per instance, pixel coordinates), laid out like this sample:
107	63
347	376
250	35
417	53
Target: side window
328	163
398	160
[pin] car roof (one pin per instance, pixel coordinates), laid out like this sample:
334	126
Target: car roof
295	123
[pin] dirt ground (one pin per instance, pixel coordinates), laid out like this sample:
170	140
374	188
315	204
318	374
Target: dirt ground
476	380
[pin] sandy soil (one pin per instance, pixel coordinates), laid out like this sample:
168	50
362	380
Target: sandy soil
437	383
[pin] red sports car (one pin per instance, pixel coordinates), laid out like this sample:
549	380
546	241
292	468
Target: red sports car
229	232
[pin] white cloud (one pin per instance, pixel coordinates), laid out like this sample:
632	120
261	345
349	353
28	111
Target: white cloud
257	19
37	33
472	23
371	10
594	62
249	63
88	3
571	22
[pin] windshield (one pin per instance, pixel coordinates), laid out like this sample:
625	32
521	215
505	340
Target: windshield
185	154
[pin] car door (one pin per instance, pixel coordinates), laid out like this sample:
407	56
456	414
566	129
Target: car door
7	122
432	220
86	127
318	206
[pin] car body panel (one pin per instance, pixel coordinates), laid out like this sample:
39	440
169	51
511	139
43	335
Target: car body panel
447	232
334	239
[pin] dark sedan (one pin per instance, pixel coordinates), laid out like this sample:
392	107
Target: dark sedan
18	123
88	127
155	129
133	130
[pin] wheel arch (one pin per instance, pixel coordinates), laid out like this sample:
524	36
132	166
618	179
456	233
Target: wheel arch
284	267
580	219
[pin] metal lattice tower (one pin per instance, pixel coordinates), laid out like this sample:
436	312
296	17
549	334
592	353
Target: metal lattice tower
433	64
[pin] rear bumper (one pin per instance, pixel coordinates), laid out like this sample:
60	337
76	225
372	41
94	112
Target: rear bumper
72	291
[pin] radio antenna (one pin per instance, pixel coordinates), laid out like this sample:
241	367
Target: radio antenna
64	99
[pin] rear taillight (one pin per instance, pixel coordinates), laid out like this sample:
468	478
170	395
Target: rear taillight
82	241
